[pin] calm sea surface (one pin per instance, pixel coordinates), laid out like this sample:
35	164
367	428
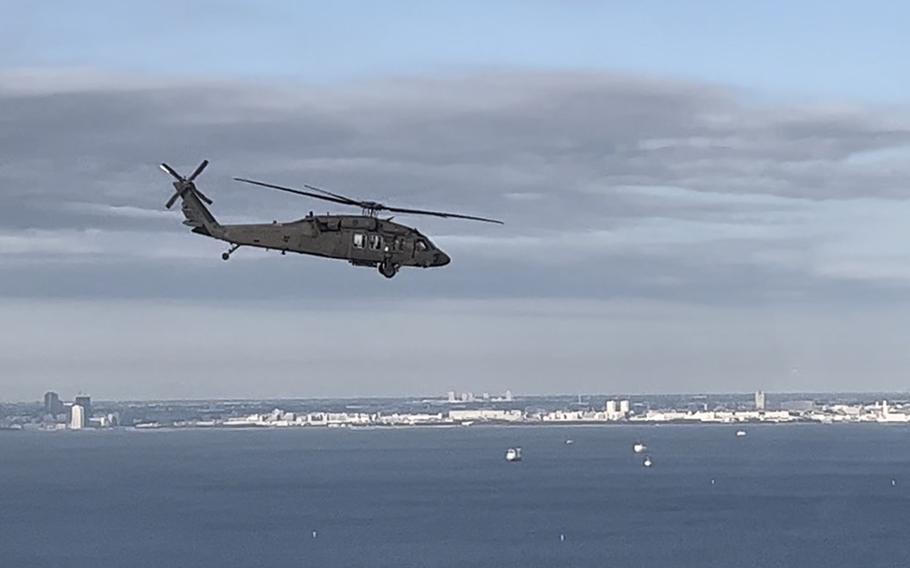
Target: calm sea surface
794	495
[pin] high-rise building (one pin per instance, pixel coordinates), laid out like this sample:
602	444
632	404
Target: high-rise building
86	403
624	407
508	396
77	417
759	400
52	404
610	408
451	396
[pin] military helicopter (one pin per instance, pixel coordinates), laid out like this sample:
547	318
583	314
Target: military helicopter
362	240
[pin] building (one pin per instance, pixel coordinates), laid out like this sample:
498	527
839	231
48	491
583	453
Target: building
486	414
610	408
759	400
450	396
86	403
508	396
624	407
77	417
52	404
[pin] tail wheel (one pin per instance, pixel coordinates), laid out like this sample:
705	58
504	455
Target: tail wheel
388	268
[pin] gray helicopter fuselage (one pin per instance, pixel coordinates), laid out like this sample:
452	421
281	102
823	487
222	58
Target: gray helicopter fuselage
360	239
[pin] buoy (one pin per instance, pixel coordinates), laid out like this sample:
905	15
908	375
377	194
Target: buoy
562	537
314	534
893	483
712	482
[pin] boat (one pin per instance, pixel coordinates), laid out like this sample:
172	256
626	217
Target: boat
639	447
740	433
513	454
570	441
647	462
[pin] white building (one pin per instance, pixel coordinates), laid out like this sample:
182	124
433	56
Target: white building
77	417
624	407
410	419
486	414
574	416
759	400
610	408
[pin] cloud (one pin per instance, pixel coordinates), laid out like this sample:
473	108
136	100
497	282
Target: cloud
610	184
92	245
660	235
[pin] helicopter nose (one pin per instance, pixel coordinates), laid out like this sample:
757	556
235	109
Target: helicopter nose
441	259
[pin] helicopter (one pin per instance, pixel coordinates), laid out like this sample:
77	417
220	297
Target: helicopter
362	240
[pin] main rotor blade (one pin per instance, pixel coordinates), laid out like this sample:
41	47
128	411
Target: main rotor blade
335	195
198	170
170	202
343	201
335	198
441	214
170	170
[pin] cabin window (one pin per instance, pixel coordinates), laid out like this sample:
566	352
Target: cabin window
375	242
358	240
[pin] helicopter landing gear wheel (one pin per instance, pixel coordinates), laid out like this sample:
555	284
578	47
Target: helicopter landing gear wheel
388	269
227	255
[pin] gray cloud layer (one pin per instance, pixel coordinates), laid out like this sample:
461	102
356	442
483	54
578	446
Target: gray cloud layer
613	187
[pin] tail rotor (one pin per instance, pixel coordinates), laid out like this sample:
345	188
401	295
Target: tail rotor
185	185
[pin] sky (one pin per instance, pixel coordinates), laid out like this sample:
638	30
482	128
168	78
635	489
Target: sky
698	197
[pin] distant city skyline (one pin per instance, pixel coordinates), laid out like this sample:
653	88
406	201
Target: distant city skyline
824	408
757	399
684	212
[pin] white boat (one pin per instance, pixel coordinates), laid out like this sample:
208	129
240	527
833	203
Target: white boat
647	462
513	454
639	447
570	441
740	433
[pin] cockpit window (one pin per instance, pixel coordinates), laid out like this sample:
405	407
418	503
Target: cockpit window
421	244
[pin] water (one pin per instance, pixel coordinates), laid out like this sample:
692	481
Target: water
782	496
